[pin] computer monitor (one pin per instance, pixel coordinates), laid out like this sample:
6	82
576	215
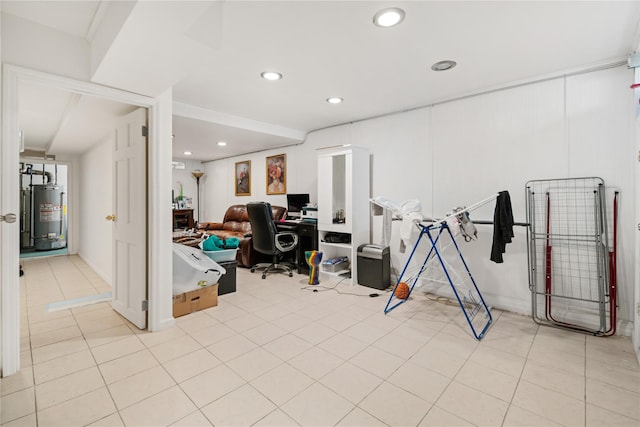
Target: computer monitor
295	203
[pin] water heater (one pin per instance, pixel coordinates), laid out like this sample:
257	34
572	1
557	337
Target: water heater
49	217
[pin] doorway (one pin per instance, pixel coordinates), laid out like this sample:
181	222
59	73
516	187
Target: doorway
158	220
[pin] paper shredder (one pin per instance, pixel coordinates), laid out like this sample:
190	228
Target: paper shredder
374	268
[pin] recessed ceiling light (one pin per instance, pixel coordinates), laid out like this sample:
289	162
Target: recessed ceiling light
334	100
188	153
443	65
271	75
388	17
222	143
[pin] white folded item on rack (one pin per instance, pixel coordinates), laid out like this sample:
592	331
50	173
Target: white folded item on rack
409	211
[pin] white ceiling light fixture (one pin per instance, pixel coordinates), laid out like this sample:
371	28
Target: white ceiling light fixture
222	144
334	100
388	17
188	153
271	75
444	65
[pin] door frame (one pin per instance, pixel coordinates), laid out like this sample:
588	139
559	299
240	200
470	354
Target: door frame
635	315
159	268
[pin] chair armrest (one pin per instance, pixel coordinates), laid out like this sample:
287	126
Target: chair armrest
286	241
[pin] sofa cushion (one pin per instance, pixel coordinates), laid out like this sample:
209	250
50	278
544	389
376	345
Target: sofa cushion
243	228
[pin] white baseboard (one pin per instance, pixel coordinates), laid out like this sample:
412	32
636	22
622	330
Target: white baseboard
519	306
165	324
102	274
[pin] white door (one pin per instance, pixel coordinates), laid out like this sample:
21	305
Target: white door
129	218
9	232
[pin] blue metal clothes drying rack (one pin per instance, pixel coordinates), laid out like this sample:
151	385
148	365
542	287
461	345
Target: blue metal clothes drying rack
470	300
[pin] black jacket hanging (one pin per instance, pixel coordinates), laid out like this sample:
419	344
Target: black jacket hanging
502	226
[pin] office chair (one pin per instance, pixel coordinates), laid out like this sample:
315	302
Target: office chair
268	240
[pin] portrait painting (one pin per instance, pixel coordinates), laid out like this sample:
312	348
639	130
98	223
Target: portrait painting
243	178
277	174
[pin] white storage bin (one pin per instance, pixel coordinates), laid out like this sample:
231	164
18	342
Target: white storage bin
192	269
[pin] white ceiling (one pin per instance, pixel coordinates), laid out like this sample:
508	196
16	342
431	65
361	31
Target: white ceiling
212	54
60	122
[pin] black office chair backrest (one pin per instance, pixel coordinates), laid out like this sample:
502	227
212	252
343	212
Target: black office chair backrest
263	229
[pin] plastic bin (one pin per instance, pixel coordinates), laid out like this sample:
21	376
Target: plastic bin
221	255
192	269
335	265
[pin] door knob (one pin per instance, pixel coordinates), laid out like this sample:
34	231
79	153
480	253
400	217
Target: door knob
8	218
110	217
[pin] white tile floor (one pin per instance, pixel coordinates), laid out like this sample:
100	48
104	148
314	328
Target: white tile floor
272	354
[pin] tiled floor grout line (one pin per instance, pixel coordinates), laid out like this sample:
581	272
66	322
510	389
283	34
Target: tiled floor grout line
176	383
384	380
524	366
84	337
32	367
451	380
73	315
314	380
257	298
433	404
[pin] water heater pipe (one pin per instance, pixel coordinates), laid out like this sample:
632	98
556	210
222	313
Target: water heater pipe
30	171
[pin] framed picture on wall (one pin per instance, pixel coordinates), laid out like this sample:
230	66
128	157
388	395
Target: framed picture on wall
243	178
277	174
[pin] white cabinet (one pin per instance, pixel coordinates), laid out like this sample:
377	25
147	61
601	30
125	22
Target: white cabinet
343	206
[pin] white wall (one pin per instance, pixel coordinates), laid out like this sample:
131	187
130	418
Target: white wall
457	153
95	201
220	191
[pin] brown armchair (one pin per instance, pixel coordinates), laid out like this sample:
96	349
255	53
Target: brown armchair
236	224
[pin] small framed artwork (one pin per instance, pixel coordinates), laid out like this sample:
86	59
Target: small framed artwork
277	174
243	178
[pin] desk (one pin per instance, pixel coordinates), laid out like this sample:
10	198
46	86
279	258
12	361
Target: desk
307	240
182	218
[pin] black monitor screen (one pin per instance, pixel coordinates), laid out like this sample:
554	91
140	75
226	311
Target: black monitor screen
295	203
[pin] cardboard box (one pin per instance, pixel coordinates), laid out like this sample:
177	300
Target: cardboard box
196	300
